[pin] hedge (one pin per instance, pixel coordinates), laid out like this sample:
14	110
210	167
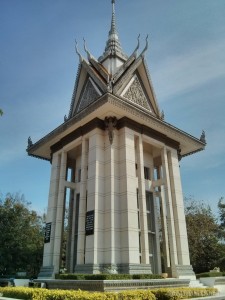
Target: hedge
155	294
44	294
182	293
106	276
210	274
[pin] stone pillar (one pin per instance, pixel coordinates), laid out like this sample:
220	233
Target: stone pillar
184	268
95	200
82	207
47	268
142	201
166	253
70	236
128	200
60	213
109	207
170	217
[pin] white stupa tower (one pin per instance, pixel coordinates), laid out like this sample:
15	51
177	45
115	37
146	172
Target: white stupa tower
118	160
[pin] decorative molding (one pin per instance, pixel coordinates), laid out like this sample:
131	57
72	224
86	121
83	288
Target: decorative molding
129	61
151	86
88	96
110	285
74	91
126	76
110	124
136	94
100	82
138	112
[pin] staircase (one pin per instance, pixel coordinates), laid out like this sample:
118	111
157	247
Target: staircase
196	283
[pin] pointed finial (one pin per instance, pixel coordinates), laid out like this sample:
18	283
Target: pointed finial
146	45
138	44
86	50
202	137
113	44
77	51
29	142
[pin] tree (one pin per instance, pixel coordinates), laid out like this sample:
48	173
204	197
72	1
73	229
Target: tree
203	236
221	206
21	238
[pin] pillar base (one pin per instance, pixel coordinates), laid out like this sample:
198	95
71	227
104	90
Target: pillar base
182	272
113	269
46	272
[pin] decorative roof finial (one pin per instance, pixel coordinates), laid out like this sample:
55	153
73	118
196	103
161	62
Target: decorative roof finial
29	142
77	51
202	137
86	50
146	45
113	45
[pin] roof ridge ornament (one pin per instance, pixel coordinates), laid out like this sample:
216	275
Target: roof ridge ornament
77	51
146	46
202	137
86	50
138	45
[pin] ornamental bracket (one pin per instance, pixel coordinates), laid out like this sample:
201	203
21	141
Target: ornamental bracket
110	125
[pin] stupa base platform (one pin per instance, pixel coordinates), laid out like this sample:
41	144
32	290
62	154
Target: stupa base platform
112	285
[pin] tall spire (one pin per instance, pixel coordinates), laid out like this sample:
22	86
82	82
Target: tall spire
113	45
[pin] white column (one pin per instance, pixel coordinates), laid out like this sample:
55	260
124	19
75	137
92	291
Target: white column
178	209
109	228
52	208
142	202
95	200
82	206
166	252
60	214
128	199
169	207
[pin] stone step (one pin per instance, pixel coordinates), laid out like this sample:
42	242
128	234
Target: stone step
196	283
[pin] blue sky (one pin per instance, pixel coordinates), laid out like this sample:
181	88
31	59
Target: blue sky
38	66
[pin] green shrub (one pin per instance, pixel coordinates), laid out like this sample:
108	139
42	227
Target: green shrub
106	276
146	276
70	276
136	295
18	292
210	274
155	294
44	294
182	293
93	276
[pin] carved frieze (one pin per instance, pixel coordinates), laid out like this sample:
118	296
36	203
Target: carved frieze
136	94
89	95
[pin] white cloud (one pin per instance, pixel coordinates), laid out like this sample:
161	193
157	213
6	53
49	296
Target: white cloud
179	74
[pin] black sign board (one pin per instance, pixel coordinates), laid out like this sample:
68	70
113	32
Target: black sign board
89	224
47	232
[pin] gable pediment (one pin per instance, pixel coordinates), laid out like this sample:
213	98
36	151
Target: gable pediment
89	85
134	84
135	93
89	94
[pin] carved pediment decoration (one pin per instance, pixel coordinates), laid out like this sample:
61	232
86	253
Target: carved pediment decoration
89	95
136	94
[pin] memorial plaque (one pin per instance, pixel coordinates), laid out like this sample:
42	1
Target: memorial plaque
47	232
89	224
